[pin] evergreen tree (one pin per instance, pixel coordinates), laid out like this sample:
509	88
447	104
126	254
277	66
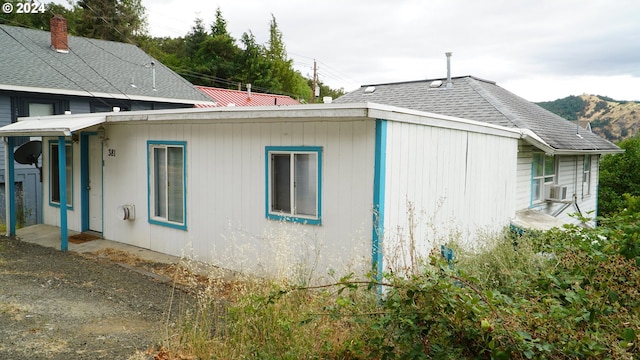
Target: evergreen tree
253	65
286	79
115	20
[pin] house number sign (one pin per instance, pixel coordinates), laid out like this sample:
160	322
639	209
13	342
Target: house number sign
111	152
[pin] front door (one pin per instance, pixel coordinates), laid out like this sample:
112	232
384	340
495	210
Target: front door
91	180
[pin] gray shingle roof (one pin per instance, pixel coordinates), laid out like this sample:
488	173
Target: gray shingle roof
476	99
90	68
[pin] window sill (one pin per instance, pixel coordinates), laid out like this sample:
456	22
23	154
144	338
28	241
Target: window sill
168	224
57	205
295	219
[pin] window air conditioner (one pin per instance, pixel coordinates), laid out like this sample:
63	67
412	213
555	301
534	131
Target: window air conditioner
556	192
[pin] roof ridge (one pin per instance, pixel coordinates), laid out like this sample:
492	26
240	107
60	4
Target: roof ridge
430	80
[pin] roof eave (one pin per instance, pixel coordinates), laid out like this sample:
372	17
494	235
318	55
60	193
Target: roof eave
533	139
119	96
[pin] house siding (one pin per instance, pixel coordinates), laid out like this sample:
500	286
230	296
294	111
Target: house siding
523	175
443	185
568	173
26	176
5	119
571	169
225	165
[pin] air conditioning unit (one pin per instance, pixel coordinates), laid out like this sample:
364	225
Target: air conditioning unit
556	192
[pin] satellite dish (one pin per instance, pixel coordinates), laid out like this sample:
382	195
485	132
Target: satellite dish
28	153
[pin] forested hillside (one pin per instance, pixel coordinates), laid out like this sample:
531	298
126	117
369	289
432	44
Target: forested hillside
208	55
609	118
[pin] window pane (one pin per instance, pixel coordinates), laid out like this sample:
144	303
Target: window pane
175	184
549	165
536	190
281	182
54	171
160	182
587	162
36	109
538	163
54	168
305	183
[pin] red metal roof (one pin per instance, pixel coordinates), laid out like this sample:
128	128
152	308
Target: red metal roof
225	97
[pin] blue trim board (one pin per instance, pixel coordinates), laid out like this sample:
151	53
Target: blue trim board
380	170
173	225
10	187
84	181
267	183
62	172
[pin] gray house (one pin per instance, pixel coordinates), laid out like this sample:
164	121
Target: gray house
557	160
49	73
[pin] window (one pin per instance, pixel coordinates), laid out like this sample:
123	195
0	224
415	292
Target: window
167	189
35	106
544	173
586	175
293	184
54	174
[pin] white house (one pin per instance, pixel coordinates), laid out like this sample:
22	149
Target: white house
557	160
260	189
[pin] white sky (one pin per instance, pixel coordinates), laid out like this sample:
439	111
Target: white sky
539	49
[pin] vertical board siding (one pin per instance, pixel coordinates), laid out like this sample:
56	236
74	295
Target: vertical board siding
5	119
523	175
226	223
443	185
570	174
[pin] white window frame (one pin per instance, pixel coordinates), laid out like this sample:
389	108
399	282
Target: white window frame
540	181
165	219
586	175
292	214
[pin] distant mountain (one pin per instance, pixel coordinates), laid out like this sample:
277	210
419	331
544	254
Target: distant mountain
609	118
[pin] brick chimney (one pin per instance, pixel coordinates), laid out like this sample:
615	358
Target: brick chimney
59	37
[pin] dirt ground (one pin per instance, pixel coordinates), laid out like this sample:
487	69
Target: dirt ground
56	305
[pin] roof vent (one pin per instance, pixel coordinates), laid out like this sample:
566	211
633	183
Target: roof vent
435	84
449	83
369	89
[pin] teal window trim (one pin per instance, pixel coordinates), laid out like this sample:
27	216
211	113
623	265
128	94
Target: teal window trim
291	215
54	154
151	186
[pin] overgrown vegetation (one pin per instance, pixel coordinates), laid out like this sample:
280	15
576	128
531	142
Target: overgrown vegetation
563	294
619	175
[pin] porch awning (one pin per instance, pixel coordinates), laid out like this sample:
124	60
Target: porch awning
51	125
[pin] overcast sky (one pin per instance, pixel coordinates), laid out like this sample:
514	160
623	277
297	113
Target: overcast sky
539	49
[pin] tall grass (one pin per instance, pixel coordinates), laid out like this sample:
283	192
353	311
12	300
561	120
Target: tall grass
542	296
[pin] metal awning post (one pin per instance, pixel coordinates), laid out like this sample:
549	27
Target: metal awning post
9	187
62	176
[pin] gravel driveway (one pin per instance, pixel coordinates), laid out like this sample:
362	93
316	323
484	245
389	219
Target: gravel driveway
56	305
